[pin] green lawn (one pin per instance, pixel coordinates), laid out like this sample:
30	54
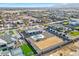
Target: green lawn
65	22
74	33
11	32
1	33
26	50
76	27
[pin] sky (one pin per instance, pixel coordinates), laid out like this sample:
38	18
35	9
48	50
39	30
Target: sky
26	4
56	5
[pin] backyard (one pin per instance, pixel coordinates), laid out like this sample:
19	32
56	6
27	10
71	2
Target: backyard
74	33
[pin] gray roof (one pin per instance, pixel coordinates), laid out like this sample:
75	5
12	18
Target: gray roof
7	38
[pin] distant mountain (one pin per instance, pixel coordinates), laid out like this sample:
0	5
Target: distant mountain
65	5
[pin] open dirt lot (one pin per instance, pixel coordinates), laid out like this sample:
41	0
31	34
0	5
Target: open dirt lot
68	50
51	41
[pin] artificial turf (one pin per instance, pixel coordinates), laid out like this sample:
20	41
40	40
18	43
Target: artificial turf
26	50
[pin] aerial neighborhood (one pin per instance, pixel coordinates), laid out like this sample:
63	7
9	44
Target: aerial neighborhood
39	31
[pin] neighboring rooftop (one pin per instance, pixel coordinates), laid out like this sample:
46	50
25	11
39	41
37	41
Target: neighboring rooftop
2	42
